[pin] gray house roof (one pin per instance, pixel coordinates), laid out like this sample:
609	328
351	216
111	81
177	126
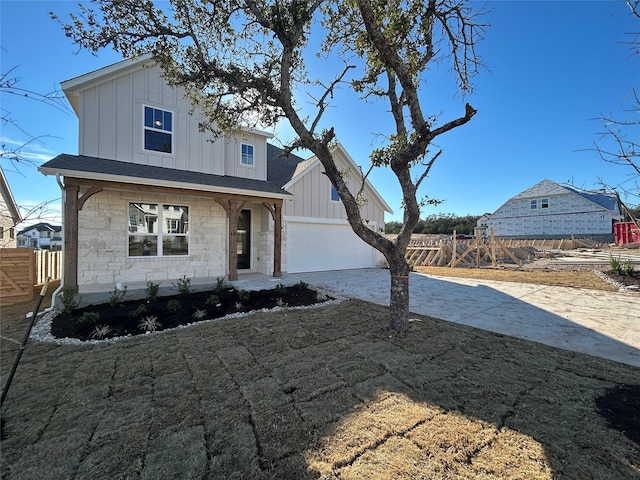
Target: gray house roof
549	188
281	169
83	166
41	227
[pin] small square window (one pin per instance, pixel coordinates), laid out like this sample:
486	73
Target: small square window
335	197
247	155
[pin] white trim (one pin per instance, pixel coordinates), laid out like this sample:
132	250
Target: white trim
172	132
253	155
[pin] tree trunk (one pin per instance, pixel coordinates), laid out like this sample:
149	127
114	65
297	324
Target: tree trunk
399	305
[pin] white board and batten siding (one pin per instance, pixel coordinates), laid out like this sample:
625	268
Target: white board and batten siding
318	235
111	116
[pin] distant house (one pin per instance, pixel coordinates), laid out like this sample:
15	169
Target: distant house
152	197
9	214
41	235
550	210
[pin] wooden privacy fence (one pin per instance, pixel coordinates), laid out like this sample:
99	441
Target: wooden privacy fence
21	269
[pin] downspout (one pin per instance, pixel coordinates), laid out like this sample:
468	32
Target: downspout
57	291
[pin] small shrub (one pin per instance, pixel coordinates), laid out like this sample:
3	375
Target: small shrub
239	306
150	324
219	283
152	290
302	284
101	332
243	295
138	312
199	314
89	318
321	297
628	268
280	302
70	299
173	305
280	289
615	264
213	300
183	285
116	296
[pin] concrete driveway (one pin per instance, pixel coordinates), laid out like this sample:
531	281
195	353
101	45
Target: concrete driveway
594	322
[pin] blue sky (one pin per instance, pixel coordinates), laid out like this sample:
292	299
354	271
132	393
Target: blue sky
554	67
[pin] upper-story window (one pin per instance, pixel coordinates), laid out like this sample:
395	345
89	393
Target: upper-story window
544	203
534	204
158	130
335	197
246	156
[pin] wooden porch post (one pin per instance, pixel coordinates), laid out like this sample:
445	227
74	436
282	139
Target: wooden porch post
71	236
232	208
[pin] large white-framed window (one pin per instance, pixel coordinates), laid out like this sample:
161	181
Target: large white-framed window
534	204
544	203
246	155
158	129
158	232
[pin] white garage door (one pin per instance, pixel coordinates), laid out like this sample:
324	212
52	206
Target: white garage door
313	247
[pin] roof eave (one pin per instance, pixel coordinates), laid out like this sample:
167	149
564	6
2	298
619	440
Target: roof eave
162	183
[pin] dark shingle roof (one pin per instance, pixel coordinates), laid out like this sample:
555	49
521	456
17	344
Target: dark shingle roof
86	164
42	227
280	169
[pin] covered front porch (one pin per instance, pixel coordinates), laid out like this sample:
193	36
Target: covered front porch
78	191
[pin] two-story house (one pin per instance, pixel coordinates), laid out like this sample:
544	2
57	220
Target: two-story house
151	197
9	214
41	235
550	210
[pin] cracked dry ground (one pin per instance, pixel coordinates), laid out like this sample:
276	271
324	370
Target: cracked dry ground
322	393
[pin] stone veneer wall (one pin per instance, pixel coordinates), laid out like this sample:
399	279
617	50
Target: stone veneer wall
103	239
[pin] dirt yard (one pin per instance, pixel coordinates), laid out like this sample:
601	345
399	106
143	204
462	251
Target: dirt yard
324	393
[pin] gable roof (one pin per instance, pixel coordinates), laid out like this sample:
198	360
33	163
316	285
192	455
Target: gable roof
95	168
548	188
42	227
5	193
296	171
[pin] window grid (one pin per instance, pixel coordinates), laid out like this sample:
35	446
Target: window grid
247	155
147	239
158	130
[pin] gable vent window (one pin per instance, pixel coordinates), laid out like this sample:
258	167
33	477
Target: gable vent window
246	157
158	130
544	203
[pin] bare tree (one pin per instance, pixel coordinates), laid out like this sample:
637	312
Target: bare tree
619	143
10	85
244	62
14	154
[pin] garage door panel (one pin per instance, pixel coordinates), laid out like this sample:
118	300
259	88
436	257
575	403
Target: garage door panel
318	247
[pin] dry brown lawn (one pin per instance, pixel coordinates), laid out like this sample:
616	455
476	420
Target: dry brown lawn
322	393
561	279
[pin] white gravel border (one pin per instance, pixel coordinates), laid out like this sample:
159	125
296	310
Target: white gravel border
41	331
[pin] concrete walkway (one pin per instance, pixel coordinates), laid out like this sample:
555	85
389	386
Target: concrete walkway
603	324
